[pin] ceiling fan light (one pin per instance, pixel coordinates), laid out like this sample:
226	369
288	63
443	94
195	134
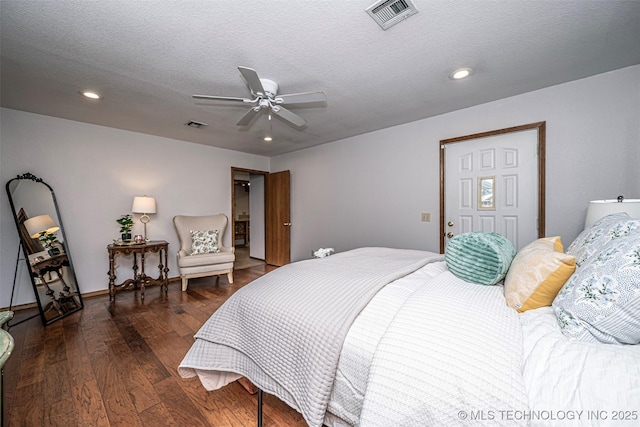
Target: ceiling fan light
460	73
90	95
265	91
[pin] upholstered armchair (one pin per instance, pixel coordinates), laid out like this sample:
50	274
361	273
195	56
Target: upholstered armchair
201	251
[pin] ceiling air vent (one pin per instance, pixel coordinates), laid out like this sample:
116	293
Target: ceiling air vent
195	124
389	12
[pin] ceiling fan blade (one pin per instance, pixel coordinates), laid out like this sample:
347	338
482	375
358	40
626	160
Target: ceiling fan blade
288	116
221	98
248	118
302	98
253	81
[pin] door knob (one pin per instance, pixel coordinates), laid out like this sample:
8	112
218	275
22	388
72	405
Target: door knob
287	224
449	234
450	223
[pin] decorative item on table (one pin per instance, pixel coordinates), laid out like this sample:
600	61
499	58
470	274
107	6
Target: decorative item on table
126	224
37	259
323	252
601	208
138	238
43	228
144	205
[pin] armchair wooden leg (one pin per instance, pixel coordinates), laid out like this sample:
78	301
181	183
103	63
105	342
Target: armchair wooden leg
230	276
184	283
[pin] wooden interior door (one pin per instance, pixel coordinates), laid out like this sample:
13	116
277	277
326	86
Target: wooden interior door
278	218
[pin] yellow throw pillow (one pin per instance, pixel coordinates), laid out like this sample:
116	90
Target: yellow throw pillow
537	273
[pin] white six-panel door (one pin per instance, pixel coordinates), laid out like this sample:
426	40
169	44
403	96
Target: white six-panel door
491	184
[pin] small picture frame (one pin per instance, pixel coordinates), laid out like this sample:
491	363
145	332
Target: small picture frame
487	193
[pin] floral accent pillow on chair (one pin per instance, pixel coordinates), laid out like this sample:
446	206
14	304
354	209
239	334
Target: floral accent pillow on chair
204	242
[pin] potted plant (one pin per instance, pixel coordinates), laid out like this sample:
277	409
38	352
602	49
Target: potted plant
47	240
126	224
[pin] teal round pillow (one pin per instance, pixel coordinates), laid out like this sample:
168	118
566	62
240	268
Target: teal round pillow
479	257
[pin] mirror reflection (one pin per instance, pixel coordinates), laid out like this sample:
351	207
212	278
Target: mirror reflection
44	247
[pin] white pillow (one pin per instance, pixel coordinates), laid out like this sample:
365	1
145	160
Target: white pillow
601	232
204	242
537	273
601	301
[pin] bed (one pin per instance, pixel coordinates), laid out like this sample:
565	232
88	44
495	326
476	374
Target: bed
381	337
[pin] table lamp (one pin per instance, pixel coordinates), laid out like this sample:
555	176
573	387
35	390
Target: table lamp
144	205
43	228
601	208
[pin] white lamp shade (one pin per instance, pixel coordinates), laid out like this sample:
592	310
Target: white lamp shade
40	224
144	205
601	208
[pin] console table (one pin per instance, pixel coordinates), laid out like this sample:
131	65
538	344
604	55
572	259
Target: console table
65	301
140	279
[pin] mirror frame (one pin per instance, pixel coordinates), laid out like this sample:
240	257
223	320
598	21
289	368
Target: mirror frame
27	242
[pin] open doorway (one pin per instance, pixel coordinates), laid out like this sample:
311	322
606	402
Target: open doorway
248	217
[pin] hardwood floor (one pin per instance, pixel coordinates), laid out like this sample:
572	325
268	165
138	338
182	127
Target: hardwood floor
115	365
243	260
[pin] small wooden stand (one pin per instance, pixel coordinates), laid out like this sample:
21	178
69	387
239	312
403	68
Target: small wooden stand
140	280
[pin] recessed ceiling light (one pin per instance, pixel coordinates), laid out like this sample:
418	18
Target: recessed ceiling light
91	95
460	73
268	139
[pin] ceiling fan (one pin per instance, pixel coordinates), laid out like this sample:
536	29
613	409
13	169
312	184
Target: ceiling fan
265	98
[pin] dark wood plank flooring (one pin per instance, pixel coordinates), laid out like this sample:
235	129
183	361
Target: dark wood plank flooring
116	365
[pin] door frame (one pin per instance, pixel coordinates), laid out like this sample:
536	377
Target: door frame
233	198
541	127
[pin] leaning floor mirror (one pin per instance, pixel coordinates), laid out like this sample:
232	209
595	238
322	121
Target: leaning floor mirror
44	247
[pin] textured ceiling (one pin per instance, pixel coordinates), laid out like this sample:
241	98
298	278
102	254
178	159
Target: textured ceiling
148	57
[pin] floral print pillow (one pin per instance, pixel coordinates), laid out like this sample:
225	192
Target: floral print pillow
601	301
204	242
601	232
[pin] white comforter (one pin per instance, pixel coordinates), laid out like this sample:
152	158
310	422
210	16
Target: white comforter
350	383
451	356
285	330
431	349
573	383
567	383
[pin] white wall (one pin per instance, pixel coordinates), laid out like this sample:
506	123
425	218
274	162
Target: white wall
371	189
365	190
95	172
257	210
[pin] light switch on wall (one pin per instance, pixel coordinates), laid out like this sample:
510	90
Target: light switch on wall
426	217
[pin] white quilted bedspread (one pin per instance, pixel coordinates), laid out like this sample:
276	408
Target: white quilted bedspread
451	356
350	383
285	330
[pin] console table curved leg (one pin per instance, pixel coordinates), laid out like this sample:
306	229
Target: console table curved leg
112	278
142	277
166	273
